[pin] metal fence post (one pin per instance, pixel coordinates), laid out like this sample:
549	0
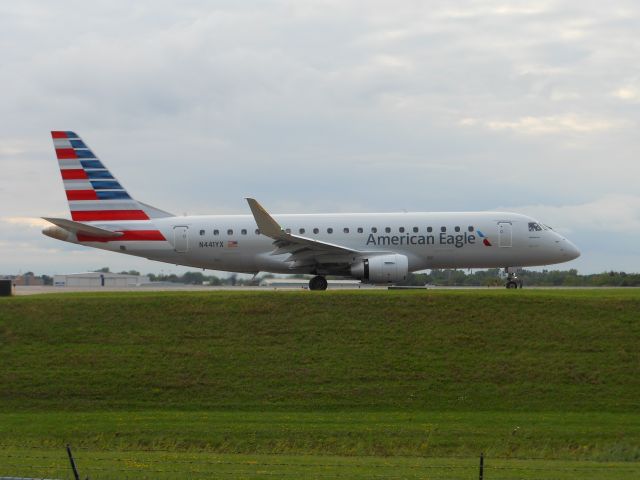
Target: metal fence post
481	465
73	463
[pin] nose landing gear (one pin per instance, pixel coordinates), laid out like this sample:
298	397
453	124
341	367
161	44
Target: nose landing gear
318	283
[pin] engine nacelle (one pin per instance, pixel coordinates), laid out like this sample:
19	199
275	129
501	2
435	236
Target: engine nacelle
381	269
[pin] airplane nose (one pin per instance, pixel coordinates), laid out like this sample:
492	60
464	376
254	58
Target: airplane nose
570	250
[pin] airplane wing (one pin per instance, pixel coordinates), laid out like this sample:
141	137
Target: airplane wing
303	250
77	227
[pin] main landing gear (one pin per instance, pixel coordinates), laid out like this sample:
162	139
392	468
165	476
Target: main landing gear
318	283
512	279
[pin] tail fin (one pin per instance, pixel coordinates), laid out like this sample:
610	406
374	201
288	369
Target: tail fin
92	191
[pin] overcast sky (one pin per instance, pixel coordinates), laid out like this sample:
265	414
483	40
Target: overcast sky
324	106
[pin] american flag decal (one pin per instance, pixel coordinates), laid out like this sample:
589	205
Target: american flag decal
232	244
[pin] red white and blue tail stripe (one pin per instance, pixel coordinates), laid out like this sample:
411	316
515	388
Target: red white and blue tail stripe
93	192
95	195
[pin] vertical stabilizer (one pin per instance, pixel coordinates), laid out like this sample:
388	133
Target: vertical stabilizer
93	193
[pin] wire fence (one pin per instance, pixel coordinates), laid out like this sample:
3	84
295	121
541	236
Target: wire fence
37	462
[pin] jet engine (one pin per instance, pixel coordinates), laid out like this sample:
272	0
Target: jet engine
381	269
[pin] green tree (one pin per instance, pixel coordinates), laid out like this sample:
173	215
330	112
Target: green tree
193	278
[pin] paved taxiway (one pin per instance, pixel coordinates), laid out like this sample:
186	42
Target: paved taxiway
34	290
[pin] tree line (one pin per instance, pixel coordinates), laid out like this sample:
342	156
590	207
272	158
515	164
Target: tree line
544	278
438	277
442	277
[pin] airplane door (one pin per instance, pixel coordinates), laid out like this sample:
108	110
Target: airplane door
504	234
181	239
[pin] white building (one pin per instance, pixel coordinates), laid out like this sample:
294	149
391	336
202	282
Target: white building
99	279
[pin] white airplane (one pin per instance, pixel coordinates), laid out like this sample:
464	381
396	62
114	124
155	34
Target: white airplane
377	248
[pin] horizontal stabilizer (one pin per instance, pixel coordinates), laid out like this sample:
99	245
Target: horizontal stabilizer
77	227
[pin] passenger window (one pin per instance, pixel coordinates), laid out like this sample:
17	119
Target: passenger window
387	229
457	229
201	232
315	230
243	231
329	230
345	230
374	230
216	232
443	229
288	230
429	229
257	231
229	232
415	229
470	228
401	229
301	231
360	230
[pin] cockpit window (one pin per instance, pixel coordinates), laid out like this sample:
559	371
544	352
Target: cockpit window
535	227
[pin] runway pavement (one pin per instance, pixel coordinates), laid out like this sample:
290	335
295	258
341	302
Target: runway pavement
35	290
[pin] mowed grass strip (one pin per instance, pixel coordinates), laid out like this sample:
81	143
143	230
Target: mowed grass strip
473	350
558	435
549	374
102	465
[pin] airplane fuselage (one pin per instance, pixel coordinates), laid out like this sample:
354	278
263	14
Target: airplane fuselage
428	240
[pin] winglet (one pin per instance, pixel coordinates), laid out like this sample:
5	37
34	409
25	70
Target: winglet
266	224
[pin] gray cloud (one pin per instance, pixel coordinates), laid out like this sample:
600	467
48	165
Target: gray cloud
319	106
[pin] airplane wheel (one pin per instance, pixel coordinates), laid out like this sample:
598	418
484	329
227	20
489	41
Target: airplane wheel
318	283
511	284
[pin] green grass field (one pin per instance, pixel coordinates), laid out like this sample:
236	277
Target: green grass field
359	384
